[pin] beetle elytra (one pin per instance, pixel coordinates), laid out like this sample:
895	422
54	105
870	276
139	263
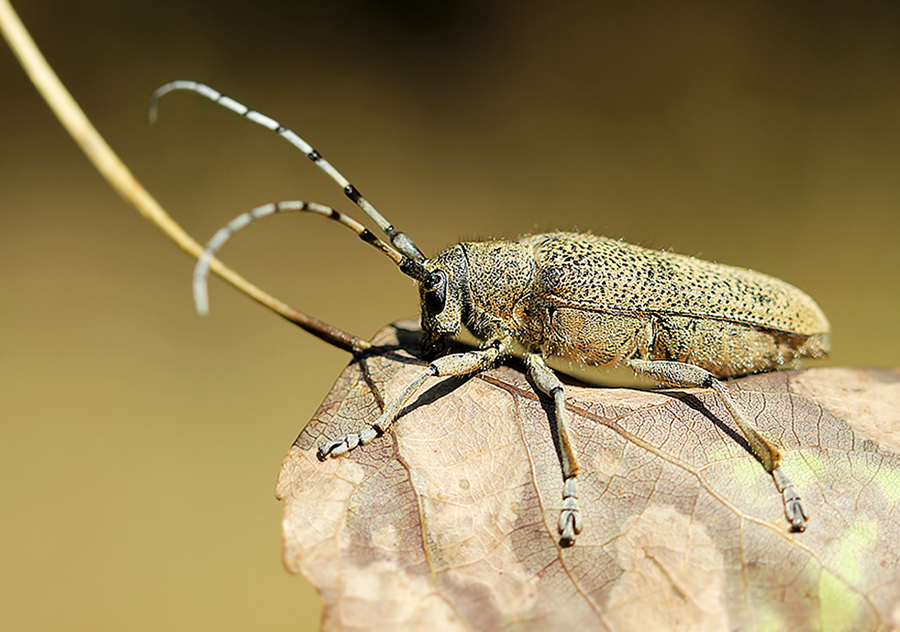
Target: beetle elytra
678	320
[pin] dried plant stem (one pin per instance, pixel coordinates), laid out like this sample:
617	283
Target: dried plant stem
120	177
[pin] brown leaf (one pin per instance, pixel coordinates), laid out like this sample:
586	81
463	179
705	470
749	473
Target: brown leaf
449	521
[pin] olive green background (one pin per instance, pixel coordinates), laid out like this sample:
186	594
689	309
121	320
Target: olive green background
141	443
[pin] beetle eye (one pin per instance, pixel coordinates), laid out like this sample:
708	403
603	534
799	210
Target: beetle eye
435	287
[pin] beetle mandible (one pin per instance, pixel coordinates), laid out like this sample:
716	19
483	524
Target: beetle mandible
678	320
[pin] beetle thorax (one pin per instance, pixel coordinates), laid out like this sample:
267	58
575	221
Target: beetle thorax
484	281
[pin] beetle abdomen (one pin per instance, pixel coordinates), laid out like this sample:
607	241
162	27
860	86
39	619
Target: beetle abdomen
724	348
729	349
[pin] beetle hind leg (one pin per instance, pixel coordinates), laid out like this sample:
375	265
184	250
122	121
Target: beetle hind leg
547	382
680	374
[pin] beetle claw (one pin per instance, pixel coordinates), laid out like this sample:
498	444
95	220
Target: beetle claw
569	527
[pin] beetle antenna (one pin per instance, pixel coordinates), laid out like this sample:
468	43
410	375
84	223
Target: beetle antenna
410	267
400	241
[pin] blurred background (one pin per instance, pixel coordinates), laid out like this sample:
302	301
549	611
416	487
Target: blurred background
141	443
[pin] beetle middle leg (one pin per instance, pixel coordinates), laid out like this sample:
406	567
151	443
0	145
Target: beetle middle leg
549	384
680	374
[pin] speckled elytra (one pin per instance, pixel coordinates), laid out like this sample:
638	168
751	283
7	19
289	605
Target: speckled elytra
596	301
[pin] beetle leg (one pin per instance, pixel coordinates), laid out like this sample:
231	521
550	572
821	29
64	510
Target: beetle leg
680	374
454	364
549	384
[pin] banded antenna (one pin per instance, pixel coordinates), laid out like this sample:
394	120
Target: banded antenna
400	241
410	267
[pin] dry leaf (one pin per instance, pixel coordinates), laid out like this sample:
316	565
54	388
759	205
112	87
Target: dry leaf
449	521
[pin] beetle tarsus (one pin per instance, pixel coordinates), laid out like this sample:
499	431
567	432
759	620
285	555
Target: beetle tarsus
794	511
569	517
344	444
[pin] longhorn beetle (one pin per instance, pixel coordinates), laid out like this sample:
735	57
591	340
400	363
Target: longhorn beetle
681	321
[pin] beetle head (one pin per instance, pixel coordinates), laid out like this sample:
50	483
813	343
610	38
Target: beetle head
442	294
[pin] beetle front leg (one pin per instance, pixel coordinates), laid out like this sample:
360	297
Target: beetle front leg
549	384
455	364
680	374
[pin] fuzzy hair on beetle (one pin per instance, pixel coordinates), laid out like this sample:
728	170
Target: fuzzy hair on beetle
594	301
